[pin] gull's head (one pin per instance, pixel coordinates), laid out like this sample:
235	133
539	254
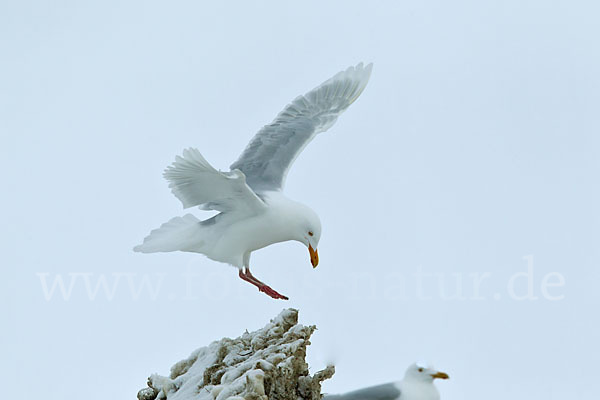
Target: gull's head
423	373
307	230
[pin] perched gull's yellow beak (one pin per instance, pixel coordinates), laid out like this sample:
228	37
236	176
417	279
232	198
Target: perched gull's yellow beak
440	375
314	256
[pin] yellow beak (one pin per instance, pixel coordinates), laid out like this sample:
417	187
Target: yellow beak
314	256
440	375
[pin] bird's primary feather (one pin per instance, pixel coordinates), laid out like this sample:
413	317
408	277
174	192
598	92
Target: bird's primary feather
269	155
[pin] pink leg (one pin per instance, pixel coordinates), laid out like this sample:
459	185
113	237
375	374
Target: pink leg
246	275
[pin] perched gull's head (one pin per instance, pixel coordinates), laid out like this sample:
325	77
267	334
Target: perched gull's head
307	230
420	372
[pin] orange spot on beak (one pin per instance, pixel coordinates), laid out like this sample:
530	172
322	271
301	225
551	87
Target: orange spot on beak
314	256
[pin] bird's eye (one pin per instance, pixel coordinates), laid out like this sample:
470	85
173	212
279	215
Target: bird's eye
310	233
420	369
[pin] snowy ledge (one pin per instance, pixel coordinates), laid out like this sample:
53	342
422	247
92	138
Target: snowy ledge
268	364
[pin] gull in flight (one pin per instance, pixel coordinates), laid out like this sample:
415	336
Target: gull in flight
253	211
416	385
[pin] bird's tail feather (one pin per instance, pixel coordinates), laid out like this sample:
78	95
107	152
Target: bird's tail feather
178	234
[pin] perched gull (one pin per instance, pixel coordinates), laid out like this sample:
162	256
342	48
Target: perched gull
253	212
416	385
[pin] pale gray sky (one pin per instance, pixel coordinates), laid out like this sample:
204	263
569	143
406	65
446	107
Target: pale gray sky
472	156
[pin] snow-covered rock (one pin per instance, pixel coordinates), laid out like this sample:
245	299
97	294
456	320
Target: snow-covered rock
268	364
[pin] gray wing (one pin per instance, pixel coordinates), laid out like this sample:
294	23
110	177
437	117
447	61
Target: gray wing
269	155
196	183
387	391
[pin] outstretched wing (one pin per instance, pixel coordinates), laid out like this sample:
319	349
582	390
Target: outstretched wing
196	183
269	155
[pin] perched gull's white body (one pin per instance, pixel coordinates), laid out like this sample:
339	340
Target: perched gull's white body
416	385
253	212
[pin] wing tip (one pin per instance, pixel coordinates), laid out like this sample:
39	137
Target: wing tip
363	72
360	73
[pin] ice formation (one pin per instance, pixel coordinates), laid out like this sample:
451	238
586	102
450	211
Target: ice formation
268	364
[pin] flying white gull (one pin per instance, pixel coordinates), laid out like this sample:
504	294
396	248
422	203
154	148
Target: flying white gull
416	385
253	212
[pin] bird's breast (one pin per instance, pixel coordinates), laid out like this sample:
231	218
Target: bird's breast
419	391
255	233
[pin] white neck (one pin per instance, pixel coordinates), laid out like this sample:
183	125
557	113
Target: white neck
412	389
